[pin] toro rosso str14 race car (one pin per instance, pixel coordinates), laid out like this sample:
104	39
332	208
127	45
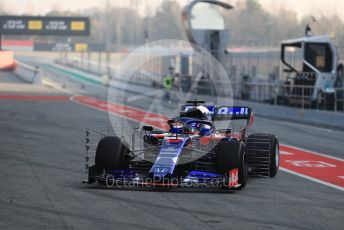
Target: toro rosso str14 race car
192	152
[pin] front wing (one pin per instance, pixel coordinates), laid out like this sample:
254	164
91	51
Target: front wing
130	178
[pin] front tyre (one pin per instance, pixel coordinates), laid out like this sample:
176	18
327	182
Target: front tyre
231	155
111	154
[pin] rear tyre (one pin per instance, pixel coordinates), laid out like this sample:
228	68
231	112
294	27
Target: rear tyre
111	154
263	154
231	155
274	156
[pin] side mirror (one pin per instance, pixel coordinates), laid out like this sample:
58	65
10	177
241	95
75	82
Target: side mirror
147	128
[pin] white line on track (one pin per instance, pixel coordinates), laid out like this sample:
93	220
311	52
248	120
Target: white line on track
55	85
312	179
285	153
315	153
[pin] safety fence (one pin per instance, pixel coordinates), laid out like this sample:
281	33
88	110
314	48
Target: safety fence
98	68
252	76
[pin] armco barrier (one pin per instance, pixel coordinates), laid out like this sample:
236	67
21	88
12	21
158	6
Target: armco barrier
30	74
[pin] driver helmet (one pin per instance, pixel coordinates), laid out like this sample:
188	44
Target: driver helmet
205	130
205	111
176	127
199	129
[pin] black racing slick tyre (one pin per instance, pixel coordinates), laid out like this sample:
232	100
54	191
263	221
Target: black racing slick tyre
111	154
274	156
231	155
263	154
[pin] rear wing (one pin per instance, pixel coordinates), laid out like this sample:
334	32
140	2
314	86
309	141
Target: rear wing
220	113
231	113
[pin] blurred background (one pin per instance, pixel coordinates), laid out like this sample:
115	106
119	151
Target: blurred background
124	24
252	57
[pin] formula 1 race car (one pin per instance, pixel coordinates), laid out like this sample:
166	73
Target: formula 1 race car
192	153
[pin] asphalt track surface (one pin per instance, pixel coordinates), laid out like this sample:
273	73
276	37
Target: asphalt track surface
42	165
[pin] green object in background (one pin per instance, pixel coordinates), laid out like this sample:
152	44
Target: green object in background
168	81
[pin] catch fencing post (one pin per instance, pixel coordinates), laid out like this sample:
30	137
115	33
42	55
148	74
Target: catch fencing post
303	102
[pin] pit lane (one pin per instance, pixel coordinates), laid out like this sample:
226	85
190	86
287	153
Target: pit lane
42	155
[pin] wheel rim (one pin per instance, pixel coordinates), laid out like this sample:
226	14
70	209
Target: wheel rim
277	156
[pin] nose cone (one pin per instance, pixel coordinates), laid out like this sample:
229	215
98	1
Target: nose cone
165	163
163	168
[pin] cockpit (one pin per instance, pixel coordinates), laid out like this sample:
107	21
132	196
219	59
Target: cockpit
190	126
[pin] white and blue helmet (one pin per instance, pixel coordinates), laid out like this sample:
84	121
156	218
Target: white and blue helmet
205	111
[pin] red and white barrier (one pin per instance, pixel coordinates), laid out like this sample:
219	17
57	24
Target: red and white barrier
7	61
